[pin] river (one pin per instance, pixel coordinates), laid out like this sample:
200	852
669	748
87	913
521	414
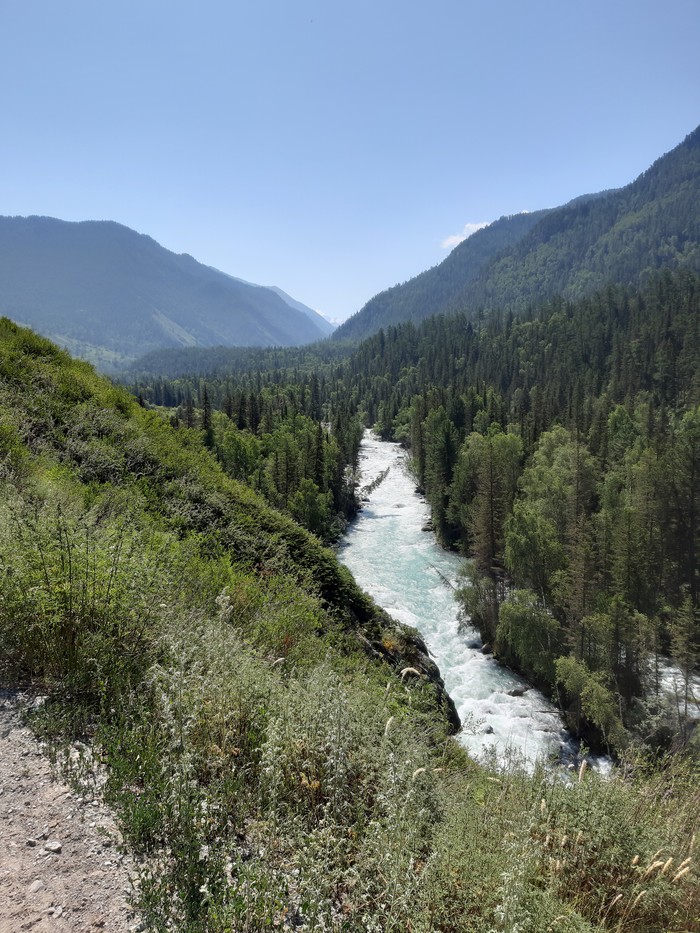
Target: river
402	567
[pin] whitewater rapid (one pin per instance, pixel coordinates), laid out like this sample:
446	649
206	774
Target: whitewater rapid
402	567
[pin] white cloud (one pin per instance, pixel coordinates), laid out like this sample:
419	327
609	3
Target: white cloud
457	238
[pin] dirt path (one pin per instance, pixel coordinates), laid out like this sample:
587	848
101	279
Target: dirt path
60	869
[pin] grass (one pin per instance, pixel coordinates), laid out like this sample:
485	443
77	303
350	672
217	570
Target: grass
266	769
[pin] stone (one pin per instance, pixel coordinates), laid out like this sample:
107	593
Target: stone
37	886
53	845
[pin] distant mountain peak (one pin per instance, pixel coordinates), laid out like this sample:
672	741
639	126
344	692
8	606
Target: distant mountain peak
110	294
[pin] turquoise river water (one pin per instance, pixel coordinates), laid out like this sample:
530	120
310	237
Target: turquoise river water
402	567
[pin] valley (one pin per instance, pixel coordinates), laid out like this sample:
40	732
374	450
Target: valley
393	630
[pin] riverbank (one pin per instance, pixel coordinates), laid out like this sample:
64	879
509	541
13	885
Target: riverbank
409	575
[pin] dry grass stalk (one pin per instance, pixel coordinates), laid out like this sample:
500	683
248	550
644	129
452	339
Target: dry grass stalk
679	874
582	770
652	868
612	903
638	898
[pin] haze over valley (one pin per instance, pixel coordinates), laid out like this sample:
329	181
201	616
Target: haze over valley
386	626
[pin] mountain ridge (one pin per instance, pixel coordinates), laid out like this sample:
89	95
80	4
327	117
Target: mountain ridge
323	323
427	293
109	293
617	236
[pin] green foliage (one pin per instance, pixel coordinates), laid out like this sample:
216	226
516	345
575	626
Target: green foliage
591	698
265	767
533	552
270	434
79	597
528	629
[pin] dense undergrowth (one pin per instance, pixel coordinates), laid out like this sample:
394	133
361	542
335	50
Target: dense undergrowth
271	760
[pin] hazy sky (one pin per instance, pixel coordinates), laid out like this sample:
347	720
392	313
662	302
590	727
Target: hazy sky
333	149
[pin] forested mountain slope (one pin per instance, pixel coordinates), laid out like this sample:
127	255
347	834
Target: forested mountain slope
436	289
620	238
615	237
109	294
561	451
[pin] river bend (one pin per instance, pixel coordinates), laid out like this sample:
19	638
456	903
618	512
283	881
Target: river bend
402	567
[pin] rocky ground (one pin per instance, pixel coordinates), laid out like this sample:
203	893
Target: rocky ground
60	865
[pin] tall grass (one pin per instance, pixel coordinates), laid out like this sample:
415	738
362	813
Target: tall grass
267	772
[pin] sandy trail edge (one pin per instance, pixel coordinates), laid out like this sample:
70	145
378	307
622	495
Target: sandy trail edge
84	886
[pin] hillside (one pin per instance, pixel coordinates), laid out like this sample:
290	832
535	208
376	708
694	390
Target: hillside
617	237
621	238
436	289
325	326
109	294
270	741
610	383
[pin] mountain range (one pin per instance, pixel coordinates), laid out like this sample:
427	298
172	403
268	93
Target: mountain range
619	236
109	294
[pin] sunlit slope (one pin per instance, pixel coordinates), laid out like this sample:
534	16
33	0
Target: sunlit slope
434	290
620	238
616	237
60	418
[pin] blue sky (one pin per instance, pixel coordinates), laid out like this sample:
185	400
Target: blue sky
333	149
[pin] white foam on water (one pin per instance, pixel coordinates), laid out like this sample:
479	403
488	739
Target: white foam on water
402	568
